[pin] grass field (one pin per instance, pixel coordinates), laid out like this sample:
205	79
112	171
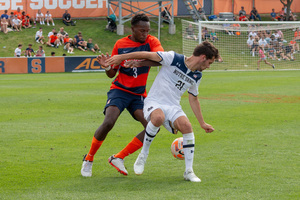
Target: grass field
47	122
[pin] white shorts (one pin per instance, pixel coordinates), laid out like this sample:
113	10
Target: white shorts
171	114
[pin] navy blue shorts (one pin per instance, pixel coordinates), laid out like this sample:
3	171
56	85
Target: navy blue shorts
123	100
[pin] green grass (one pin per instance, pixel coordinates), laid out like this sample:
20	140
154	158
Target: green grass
47	122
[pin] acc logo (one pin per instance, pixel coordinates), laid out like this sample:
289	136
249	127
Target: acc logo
88	63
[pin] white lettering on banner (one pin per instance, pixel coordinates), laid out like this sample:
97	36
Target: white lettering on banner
64	6
89	4
37	4
53	6
14	5
81	5
4	4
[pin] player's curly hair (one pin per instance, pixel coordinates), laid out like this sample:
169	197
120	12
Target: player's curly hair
208	49
139	17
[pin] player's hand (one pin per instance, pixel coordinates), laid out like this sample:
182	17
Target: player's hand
207	127
132	63
102	58
115	60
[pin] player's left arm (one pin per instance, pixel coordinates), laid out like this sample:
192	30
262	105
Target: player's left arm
195	105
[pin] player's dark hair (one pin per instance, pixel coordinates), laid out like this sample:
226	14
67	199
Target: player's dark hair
139	17
207	49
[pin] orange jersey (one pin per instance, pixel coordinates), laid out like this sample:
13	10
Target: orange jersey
297	34
19	14
133	80
53	38
25	22
66	40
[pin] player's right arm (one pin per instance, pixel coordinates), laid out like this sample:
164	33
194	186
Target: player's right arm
117	59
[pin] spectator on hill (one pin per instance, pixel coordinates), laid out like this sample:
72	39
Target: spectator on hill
92	47
26	22
40	17
201	13
18	50
52	53
10	18
81	44
67	19
4	15
272	53
48	18
18	13
16	23
40	52
61	34
68	44
242	11
297	35
190	33
243	17
166	15
4	25
295	45
53	40
213	36
51	32
263	43
39	36
273	15
254	15
24	15
29	52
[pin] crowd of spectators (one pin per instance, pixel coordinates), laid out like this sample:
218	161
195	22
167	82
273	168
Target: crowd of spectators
273	44
279	16
18	21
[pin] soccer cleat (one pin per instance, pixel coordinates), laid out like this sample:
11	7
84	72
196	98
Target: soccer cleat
86	169
273	66
118	163
189	175
140	164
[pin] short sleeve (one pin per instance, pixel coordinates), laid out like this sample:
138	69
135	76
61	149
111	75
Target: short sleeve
166	57
155	44
194	89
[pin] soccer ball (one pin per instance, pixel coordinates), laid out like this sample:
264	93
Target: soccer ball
177	148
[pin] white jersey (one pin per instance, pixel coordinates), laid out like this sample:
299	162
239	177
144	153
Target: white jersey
48	16
39	34
262	42
39	15
173	80
18	52
250	42
50	33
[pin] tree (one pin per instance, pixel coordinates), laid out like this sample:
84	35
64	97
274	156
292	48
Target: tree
288	4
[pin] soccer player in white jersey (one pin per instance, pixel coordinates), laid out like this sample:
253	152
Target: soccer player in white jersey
162	105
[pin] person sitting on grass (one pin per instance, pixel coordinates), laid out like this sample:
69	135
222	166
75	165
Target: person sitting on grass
262	57
26	23
272	53
92	47
213	36
4	25
40	17
48	18
190	33
29	52
18	51
67	19
39	36
61	34
40	52
68	44
53	40
53	53
17	24
81	44
31	19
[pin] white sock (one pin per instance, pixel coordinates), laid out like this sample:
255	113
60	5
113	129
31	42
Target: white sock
188	149
151	131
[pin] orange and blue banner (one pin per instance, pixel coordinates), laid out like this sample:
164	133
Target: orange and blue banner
37	65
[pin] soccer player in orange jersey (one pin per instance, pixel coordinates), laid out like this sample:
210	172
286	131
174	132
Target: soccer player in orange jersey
128	90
